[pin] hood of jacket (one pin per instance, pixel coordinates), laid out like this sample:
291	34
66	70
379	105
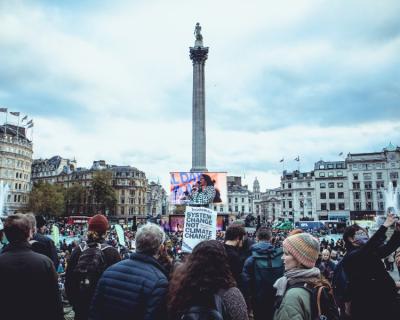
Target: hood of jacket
264	248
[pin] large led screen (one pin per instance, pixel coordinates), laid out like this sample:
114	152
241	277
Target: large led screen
198	188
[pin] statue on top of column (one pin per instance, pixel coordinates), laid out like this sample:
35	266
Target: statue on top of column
198	35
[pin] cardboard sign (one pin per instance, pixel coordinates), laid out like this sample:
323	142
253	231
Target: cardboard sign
200	224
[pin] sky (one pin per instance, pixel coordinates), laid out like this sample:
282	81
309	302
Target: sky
112	80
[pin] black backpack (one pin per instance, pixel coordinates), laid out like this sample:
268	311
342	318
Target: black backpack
323	305
197	312
91	264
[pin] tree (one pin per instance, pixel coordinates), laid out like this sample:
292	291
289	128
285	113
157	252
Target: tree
47	199
75	199
103	192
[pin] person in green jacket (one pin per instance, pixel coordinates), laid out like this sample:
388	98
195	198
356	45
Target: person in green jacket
300	252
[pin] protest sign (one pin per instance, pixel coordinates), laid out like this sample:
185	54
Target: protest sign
200	224
120	234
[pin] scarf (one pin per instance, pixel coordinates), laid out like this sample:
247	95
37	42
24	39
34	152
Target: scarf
296	273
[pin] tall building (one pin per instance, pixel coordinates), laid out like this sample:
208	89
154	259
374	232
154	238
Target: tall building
15	167
198	55
156	200
369	176
332	190
298	196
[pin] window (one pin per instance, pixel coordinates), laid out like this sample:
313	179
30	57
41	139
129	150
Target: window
340	184
242	200
331	185
229	200
369	206
340	195
379	175
355	176
368	185
236	208
341	206
367	176
290	204
330	166
309	184
221	209
323	206
322	185
339	173
357	206
242	208
308	194
381	206
332	206
380	184
368	195
394	175
380	195
289	186
284	204
357	195
236	200
322	195
322	174
331	195
330	174
356	185
321	166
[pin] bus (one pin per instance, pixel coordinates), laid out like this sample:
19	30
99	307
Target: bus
322	225
77	219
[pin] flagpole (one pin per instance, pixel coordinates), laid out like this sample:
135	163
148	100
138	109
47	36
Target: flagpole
5	126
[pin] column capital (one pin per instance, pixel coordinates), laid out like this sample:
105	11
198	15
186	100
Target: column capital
198	54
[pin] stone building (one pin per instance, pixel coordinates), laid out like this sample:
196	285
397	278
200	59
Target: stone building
47	170
156	200
298	196
15	167
270	205
331	190
369	177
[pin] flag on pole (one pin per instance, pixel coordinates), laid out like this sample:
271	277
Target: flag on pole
15	113
29	122
24	118
340	154
3	109
297	159
282	160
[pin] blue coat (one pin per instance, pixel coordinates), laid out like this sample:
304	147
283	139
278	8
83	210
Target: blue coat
131	289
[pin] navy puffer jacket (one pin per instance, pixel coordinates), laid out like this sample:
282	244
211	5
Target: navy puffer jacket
131	289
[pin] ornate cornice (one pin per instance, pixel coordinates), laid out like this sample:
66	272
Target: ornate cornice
198	54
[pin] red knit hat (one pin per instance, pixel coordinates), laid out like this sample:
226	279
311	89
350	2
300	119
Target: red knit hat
98	223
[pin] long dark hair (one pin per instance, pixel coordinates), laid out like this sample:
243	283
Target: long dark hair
204	273
208	179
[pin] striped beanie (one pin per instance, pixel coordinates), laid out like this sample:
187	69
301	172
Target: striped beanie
303	247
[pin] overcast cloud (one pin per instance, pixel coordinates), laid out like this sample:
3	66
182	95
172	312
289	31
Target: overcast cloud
112	80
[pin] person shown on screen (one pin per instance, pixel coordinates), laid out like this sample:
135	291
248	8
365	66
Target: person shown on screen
204	192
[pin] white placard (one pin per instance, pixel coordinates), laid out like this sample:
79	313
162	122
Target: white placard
200	224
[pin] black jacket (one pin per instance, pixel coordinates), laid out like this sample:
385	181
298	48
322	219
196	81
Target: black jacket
131	289
235	262
28	285
44	245
371	289
72	279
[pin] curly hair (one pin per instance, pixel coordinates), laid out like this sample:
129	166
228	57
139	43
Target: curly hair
204	273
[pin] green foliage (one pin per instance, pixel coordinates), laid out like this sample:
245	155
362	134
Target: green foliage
47	199
75	196
103	192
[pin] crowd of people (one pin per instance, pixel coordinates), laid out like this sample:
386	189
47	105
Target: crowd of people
267	275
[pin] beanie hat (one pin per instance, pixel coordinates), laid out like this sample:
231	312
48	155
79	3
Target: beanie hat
98	223
40	221
303	247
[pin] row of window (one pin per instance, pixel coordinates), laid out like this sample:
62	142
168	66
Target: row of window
369	205
17	198
331	185
340	165
332	206
237	200
370	166
331	174
332	195
289	185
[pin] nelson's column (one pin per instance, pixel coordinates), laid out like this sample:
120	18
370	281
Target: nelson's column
198	55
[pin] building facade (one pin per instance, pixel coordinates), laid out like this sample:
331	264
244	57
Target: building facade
15	168
47	170
370	176
298	196
331	190
156	200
